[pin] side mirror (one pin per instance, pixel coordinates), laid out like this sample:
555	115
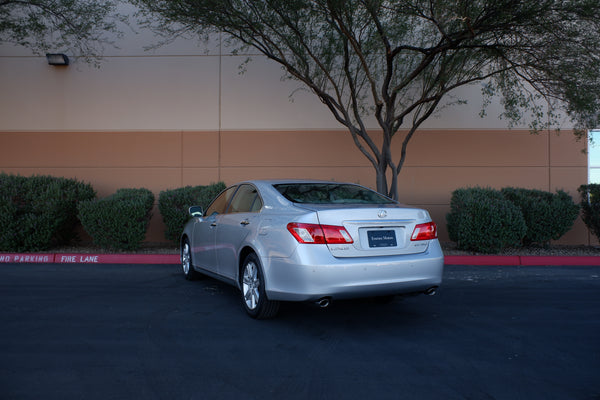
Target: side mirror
195	211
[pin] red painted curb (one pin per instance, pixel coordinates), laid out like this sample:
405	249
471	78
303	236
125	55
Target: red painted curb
116	258
522	260
26	258
64	258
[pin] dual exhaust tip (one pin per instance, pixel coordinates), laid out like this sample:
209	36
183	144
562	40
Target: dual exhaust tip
326	301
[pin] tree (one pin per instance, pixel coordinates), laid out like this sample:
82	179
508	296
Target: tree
400	61
50	25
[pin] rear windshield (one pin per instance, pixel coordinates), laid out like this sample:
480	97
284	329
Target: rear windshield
330	193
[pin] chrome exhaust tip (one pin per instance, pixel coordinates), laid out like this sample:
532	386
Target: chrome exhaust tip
324	302
431	291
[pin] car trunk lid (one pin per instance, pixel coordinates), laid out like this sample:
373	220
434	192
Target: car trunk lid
380	231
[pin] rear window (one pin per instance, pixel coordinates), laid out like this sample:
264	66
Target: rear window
330	193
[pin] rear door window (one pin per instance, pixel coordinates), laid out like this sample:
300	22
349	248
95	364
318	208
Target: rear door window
245	200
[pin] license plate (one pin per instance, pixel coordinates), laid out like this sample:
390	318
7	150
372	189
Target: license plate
382	238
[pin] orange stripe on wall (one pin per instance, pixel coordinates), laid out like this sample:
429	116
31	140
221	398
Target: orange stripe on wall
439	161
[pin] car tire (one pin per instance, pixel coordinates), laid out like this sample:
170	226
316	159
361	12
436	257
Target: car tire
252	285
186	261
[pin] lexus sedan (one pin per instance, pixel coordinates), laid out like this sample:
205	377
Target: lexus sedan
311	241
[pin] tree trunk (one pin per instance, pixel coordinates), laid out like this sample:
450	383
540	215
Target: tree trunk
393	191
381	179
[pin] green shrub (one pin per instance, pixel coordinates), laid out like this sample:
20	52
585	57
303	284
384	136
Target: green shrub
39	212
174	204
548	216
119	221
483	220
590	207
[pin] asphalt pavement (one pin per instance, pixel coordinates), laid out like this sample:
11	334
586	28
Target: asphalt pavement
105	331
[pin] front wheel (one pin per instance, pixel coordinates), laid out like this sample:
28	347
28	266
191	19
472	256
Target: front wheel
254	298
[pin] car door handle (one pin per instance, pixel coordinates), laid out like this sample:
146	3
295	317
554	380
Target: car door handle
245	222
213	224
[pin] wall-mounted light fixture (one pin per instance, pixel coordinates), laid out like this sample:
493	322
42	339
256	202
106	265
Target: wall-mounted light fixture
57	59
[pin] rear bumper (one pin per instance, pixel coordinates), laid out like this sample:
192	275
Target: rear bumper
313	273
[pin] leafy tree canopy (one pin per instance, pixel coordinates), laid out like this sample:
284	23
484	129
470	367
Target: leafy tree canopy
81	26
399	61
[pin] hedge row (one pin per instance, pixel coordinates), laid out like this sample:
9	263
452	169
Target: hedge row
488	220
483	220
39	212
119	221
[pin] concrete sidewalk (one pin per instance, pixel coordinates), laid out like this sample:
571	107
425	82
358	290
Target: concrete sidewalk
74	258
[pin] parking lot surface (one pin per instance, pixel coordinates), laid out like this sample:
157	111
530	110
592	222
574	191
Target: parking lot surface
143	332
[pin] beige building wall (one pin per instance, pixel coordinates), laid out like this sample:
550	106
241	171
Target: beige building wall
185	115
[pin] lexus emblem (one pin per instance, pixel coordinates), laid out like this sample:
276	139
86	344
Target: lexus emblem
382	214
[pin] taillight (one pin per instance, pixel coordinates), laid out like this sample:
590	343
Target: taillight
319	234
426	231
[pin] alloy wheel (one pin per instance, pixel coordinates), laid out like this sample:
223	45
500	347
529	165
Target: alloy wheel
251	285
185	258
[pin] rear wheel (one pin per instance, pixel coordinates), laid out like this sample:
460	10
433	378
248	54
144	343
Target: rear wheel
186	261
254	298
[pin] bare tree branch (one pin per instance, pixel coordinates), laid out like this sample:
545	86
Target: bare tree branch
400	61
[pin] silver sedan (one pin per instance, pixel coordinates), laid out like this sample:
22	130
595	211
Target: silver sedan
311	241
